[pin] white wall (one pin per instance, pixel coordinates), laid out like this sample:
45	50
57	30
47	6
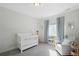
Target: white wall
41	30
12	22
73	18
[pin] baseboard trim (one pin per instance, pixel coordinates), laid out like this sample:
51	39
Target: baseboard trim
13	48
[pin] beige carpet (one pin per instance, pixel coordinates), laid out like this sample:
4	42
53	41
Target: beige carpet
40	50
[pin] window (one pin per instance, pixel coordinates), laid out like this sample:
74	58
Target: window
52	30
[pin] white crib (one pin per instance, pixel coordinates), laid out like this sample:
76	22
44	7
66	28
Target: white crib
26	40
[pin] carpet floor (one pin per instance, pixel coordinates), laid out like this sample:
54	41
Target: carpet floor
41	50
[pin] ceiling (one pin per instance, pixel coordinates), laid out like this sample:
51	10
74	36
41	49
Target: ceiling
44	10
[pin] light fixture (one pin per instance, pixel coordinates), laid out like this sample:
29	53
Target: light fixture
71	26
36	4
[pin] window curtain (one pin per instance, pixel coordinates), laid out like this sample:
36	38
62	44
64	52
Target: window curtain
46	26
60	29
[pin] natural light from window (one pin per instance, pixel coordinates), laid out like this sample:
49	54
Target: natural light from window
52	30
